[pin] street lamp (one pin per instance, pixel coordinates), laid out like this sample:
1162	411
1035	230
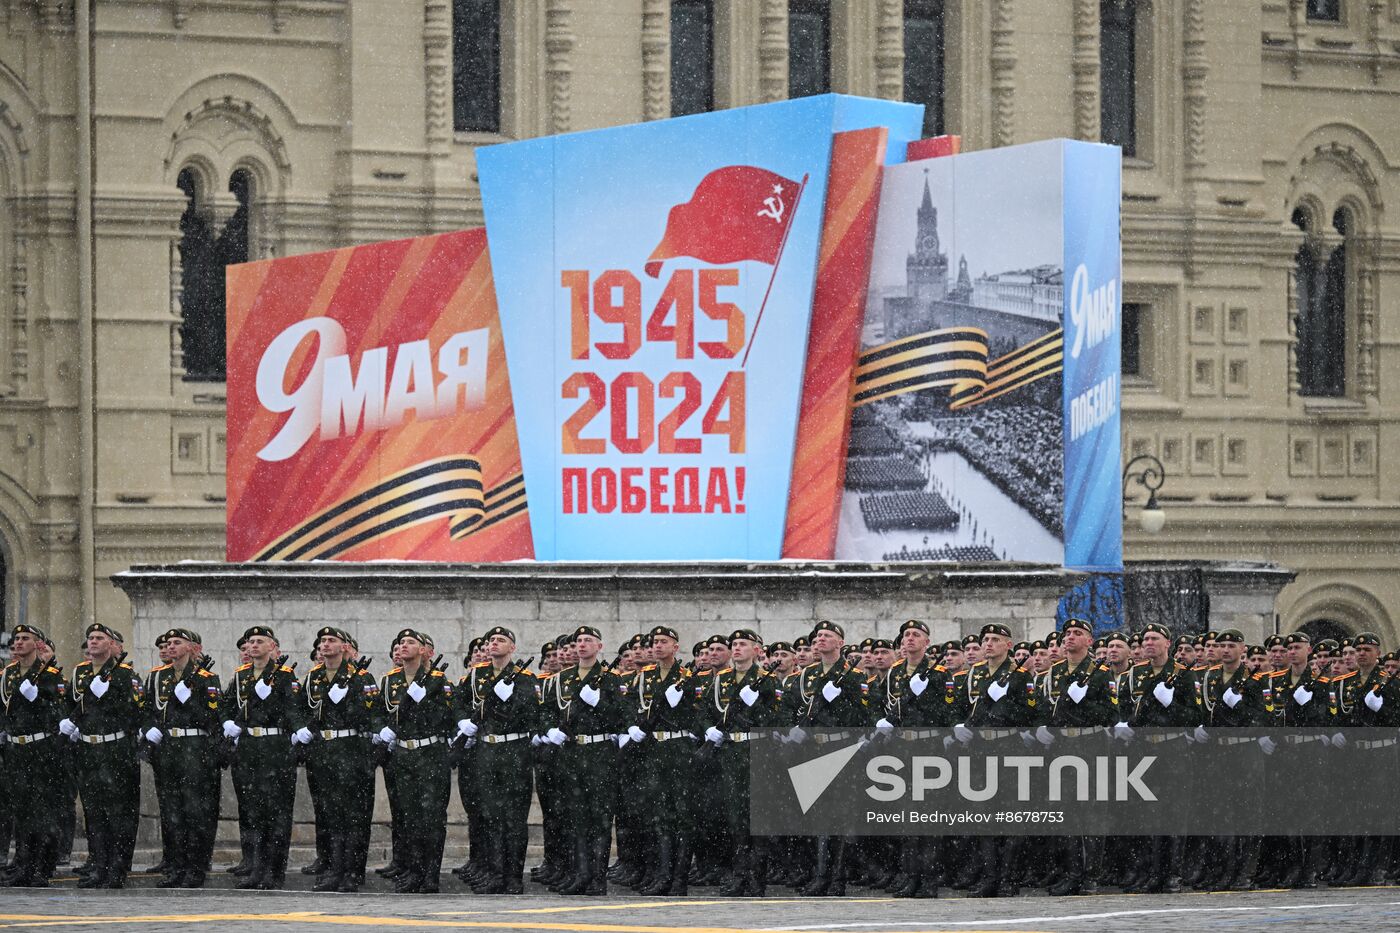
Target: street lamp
1150	476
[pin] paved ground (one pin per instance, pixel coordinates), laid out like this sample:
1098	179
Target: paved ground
223	910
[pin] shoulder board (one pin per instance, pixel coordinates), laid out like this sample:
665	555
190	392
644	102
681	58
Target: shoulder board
125	665
1214	667
1025	670
287	670
438	674
53	670
163	667
1104	668
244	667
857	670
12	664
649	667
1052	666
724	670
363	670
318	666
543	676
812	665
1278	673
89	664
871	679
1345	676
1142	663
898	661
940	667
204	673
961	673
395	670
481	665
1261	675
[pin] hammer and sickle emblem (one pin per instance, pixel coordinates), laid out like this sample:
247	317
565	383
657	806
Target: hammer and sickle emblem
773	206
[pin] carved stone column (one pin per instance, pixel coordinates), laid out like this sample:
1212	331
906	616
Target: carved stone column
1193	79
1003	62
437	74
19	313
889	50
177	311
773	50
1087	70
656	59
559	43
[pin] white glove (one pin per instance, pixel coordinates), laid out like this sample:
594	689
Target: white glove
30	692
996	691
467	727
1302	696
75	737
504	690
67	727
231	729
1267	744
947	740
556	737
1164	694
1338	740
714	735
99	685
337	693
387	736
884	725
1231	698
674	694
1027	738
830	691
1123	731
536	741
263	689
1200	734
918	684
623	739
796	734
962	733
182	693
636	733
302	736
1077	691
1374	701
749	695
417	692
589	694
1044	736
153	735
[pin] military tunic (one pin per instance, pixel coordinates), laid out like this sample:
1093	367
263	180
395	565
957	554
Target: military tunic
34	777
184	706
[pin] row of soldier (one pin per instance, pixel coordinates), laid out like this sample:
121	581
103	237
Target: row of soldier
647	749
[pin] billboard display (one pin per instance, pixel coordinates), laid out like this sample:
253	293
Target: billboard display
754	334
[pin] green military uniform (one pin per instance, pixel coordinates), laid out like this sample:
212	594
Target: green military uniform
1372	701
509	717
736	707
417	715
182	717
665	712
467	700
32	701
549	785
107	712
834	696
340	709
589	710
261	713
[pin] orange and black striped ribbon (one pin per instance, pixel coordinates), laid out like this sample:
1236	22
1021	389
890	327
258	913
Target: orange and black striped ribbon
450	486
956	359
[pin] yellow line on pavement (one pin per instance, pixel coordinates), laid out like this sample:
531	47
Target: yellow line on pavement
643	905
43	920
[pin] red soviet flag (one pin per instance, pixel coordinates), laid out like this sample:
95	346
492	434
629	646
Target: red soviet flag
737	212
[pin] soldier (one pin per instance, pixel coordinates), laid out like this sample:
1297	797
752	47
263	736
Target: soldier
414	718
33	698
467	701
629	820
953	656
1001	699
914	703
1302	698
741	700
549	783
1373	702
802	652
238	774
589	710
832	694
261	716
1162	697
710	828
510	715
341	697
664	722
972	648
1277	651
105	716
182	724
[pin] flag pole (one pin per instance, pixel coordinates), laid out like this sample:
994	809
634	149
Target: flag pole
781	246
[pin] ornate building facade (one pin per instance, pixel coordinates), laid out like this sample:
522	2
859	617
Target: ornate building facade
145	143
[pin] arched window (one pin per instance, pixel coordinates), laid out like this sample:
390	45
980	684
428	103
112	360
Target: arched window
692	57
476	66
1321	277
1318	629
1326	11
1118	84
923	60
809	47
204	252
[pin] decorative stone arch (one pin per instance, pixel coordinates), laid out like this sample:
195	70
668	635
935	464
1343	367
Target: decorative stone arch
1333	173
18	542
16	113
1350	605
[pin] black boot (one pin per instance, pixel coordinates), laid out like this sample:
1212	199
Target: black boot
680	866
757	884
582	876
837	888
821	871
598	886
661	876
738	872
334	875
256	875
